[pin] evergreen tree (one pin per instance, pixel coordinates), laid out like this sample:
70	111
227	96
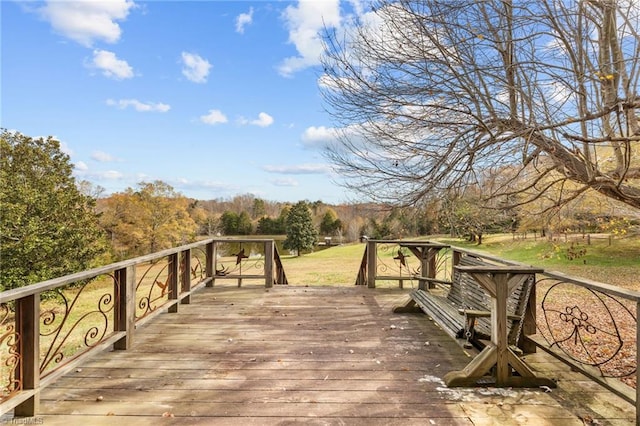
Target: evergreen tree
330	223
229	222
244	224
270	226
301	234
48	228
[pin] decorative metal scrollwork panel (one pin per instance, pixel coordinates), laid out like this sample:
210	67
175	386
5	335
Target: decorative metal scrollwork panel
152	287
198	270
74	319
589	326
238	259
10	384
443	264
392	259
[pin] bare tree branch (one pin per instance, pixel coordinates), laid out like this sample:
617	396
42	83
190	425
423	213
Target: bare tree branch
431	96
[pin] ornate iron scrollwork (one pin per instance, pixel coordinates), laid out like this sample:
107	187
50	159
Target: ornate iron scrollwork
198	271
154	286
599	331
9	342
240	263
64	316
402	261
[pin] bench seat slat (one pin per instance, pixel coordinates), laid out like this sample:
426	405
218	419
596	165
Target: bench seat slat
465	295
439	309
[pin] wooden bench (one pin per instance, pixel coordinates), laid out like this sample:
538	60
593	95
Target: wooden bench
464	311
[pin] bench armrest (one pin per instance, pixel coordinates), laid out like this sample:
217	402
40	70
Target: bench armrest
473	313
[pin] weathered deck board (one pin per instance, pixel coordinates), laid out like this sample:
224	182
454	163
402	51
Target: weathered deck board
295	355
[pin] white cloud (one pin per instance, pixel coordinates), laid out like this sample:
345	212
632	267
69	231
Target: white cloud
243	20
284	182
102	157
184	183
195	68
110	174
300	169
110	65
139	106
83	171
263	120
333	82
215	116
64	148
319	135
304	22
87	21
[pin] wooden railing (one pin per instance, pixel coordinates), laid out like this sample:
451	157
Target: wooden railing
402	260
591	326
247	259
47	329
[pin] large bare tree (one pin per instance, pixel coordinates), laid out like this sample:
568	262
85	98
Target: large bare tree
518	96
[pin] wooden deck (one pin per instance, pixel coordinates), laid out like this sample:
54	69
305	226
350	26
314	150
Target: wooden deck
315	355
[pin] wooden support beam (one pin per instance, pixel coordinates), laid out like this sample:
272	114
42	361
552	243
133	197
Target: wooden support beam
28	371
172	282
124	284
185	277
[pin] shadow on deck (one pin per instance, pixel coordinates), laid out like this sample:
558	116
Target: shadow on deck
317	355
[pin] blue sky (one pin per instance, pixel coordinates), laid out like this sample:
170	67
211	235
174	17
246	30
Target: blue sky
216	98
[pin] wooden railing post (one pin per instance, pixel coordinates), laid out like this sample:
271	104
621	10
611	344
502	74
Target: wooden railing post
210	263
214	261
430	263
371	264
361	279
125	307
185	277
268	263
455	259
28	371
173	280
529	323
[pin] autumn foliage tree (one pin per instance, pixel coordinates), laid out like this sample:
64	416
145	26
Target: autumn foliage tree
48	227
150	218
433	96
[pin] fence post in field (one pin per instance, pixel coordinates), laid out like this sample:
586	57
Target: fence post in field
268	263
125	306
185	277
28	372
173	281
371	264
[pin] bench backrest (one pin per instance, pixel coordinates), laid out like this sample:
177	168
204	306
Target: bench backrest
466	293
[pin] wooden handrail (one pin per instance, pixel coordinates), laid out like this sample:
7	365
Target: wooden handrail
119	309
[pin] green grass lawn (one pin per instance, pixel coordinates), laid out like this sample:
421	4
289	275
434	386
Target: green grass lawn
336	265
617	264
